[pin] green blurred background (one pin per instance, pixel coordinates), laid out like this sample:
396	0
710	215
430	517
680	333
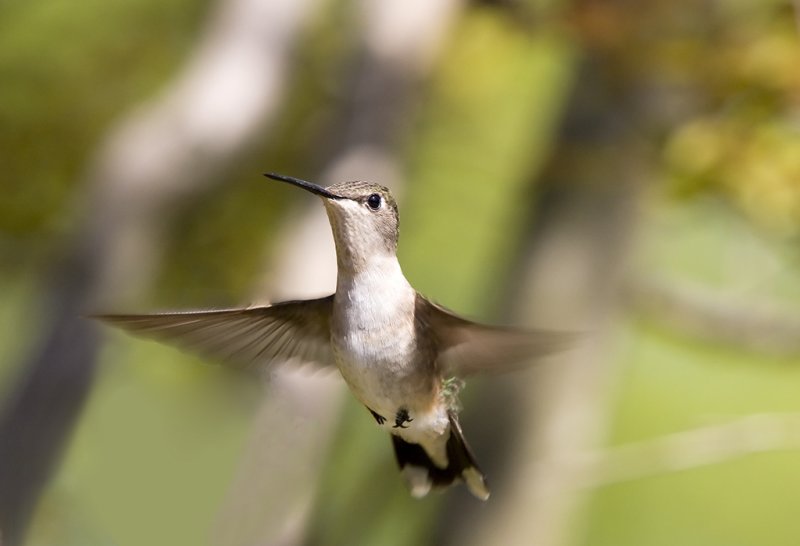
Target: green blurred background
685	112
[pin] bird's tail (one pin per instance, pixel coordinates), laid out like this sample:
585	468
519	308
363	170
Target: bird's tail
422	474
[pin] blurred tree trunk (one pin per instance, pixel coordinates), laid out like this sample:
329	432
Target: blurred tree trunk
180	144
570	279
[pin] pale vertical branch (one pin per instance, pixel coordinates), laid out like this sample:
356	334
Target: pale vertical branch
398	44
180	143
176	145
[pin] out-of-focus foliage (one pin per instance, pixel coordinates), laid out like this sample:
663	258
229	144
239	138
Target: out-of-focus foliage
753	160
745	141
152	456
726	93
68	70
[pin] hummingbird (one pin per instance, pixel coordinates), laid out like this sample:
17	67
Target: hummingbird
403	356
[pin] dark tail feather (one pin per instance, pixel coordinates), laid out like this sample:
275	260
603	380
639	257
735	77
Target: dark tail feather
422	474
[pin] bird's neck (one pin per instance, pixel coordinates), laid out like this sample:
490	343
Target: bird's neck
365	254
378	273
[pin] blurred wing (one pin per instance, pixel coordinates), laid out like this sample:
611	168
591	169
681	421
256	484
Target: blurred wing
468	348
251	338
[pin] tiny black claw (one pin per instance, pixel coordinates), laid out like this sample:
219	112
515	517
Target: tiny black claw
402	418
379	418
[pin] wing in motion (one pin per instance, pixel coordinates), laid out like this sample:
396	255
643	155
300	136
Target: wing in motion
467	348
252	338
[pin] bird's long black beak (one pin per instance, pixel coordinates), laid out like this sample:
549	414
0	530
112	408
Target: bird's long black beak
313	188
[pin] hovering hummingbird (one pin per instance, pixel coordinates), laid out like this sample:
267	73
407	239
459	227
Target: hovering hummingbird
402	355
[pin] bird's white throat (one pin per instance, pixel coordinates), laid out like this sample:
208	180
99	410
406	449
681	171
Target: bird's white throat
374	301
363	240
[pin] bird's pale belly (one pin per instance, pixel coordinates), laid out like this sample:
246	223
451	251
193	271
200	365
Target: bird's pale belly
401	397
382	383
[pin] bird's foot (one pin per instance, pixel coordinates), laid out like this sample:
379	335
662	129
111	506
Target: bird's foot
402	418
380	419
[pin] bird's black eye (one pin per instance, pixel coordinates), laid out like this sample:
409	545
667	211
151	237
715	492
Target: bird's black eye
374	201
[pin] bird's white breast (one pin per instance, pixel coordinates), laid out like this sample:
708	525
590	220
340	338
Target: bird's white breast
373	334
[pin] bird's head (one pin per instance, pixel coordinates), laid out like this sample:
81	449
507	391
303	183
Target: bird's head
363	217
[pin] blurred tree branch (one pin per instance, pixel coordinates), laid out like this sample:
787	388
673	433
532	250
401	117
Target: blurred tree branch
175	146
714	444
701	314
679	451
